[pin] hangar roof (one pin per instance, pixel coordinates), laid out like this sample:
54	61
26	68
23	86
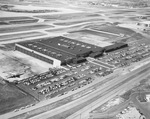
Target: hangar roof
35	46
70	46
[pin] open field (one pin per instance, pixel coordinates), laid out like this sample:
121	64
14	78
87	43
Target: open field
3	23
23	21
68	16
23	28
15	18
123	11
20	36
11	98
97	33
76	22
26	9
134	19
114	30
11	22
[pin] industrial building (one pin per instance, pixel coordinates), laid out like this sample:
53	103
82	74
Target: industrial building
58	51
61	50
115	46
96	54
44	53
71	46
79	60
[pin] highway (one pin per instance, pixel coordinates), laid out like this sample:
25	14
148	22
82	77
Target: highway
103	94
112	92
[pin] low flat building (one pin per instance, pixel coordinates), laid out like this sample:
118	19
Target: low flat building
59	50
96	54
115	46
71	46
44	53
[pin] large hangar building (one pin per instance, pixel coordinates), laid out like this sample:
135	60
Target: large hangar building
71	46
115	46
43	53
58	50
61	50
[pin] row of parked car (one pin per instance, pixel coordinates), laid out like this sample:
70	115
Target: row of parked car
44	76
95	70
63	90
127	56
69	82
59	81
105	73
53	80
22	108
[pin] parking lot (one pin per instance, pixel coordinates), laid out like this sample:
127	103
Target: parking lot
59	82
126	56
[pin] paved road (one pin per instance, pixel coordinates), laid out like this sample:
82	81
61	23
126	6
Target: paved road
112	92
104	92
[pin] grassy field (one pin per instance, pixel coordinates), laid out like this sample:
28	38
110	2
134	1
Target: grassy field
105	35
67	16
20	36
3	23
44	108
135	19
11	98
14	18
123	11
23	21
76	22
23	28
114	30
116	17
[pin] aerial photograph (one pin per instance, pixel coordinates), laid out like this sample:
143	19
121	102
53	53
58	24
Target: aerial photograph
74	59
